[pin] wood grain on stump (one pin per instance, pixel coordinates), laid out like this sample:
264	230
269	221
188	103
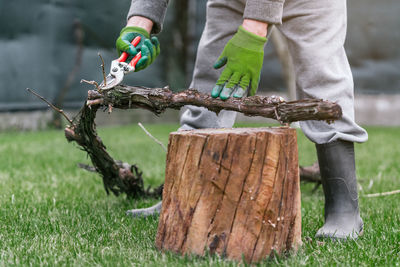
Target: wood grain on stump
234	192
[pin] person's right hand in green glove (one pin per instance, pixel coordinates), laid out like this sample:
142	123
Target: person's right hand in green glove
243	56
150	48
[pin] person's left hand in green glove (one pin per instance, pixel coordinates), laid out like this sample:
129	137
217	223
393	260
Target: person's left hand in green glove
243	56
150	47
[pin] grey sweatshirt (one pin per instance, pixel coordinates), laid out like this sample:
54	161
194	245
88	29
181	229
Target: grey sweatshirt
269	11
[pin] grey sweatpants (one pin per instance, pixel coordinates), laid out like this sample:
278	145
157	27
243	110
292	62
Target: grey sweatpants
316	31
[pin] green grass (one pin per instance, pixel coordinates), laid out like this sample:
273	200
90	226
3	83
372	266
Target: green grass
52	213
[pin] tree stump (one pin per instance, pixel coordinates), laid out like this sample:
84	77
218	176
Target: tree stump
234	192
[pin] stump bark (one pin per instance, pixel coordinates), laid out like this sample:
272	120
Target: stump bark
234	192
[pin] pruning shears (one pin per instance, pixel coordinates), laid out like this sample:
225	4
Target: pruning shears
119	67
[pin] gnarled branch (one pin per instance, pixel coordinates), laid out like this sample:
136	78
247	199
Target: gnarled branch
158	100
119	177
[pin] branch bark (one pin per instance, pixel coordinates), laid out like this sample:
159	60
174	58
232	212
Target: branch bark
119	177
157	100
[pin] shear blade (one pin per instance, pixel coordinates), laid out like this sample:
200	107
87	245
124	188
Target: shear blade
111	81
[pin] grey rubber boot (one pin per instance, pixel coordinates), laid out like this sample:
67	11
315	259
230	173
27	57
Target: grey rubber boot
338	174
145	212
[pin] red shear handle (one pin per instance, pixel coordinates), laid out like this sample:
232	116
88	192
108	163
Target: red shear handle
135	60
125	55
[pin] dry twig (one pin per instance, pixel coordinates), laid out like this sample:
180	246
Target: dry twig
87	167
102	69
92	83
152	137
51	105
383	194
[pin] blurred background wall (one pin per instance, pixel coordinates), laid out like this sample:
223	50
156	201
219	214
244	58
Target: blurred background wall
50	45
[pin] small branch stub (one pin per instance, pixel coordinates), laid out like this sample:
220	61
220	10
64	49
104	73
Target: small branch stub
92	83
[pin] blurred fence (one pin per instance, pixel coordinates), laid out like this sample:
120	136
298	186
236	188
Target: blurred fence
51	45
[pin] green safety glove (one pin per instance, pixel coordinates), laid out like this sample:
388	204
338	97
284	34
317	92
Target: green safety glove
150	48
243	56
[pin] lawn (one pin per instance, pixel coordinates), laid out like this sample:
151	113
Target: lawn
52	213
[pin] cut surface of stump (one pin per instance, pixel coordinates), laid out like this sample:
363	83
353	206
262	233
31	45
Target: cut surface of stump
234	192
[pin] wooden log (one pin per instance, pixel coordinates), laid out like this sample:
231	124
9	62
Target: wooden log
234	192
